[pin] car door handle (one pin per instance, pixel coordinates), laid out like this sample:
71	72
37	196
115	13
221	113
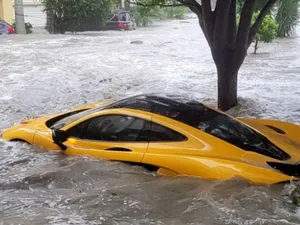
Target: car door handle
119	149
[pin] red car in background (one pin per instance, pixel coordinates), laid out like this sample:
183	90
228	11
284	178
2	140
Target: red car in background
6	28
119	20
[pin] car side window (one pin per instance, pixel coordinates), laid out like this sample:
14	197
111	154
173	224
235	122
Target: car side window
2	26
78	130
161	133
115	128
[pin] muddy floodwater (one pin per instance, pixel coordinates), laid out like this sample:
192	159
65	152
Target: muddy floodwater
41	74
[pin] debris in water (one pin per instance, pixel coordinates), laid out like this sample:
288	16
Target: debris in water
137	42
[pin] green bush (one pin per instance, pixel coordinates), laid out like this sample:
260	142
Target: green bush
28	27
79	15
287	14
267	31
144	16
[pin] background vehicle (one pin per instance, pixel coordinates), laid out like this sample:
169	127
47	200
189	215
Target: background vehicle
6	28
119	20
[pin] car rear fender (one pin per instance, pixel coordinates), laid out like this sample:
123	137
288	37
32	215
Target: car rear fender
213	168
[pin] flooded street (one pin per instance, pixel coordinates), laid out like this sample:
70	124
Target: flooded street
43	74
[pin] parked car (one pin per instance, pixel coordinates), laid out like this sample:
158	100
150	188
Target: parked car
175	136
119	20
6	28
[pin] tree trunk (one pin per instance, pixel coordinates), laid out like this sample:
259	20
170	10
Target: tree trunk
49	21
228	43
127	5
121	4
227	83
256	46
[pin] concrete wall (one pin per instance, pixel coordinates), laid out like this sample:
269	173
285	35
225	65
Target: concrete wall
6	10
32	2
33	12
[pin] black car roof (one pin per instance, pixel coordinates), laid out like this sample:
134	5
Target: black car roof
140	101
171	106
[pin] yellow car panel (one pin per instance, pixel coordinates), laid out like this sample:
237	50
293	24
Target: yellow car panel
107	150
188	150
21	133
100	149
290	140
214	168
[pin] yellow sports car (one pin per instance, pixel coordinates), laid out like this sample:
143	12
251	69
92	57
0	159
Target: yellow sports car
173	135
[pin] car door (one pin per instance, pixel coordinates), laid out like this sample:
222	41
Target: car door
112	136
175	149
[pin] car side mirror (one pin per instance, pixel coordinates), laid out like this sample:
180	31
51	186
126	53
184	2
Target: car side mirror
60	136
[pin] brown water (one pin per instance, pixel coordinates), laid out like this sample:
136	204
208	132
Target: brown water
41	74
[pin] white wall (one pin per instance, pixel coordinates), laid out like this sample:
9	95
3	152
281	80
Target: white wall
33	13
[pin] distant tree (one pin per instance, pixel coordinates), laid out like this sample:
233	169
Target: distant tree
78	15
145	15
227	41
288	17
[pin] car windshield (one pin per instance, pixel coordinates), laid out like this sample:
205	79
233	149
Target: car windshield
225	127
70	119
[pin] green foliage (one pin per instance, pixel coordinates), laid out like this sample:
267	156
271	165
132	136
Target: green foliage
288	17
28	27
268	29
296	200
258	5
175	12
145	15
79	15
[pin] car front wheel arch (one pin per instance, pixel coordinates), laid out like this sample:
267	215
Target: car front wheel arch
19	140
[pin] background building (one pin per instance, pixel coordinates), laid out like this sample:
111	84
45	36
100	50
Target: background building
33	12
6	10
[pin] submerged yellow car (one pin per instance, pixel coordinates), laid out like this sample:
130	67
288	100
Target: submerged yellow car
173	135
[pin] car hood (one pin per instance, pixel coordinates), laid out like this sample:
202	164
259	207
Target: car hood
282	134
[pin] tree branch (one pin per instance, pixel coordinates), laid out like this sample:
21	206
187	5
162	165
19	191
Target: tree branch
220	31
207	17
198	11
256	26
231	36
244	25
